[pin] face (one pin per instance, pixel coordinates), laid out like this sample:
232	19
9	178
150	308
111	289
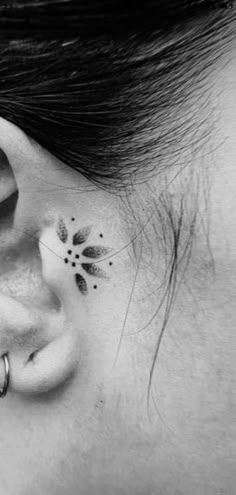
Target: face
81	279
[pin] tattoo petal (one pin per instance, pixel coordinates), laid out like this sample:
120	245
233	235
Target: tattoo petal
94	270
95	251
81	236
62	231
81	284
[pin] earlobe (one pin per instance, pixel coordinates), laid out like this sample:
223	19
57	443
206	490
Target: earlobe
41	347
49	368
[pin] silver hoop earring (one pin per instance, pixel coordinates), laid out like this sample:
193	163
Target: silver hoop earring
3	391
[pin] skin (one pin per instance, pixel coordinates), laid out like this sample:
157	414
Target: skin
76	418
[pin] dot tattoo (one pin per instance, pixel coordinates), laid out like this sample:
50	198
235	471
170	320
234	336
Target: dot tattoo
95	253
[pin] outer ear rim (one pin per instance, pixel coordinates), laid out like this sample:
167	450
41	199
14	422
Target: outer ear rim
8	184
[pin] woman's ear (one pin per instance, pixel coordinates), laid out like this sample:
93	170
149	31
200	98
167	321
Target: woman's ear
36	329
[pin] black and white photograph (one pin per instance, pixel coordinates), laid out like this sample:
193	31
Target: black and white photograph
117	247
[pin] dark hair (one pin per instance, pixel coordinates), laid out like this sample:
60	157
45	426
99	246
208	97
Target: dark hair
95	83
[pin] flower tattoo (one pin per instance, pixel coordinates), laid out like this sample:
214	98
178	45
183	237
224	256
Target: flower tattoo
76	251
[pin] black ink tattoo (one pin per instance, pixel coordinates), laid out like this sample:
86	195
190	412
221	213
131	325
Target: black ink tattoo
81	236
94	252
81	284
94	270
62	231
